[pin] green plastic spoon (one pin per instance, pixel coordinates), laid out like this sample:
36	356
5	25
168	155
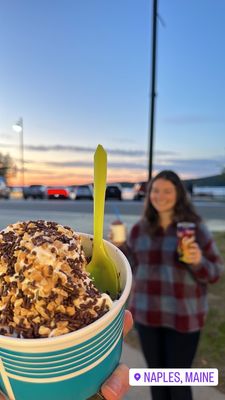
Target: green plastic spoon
101	266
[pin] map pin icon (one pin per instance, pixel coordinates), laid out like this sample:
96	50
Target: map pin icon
137	376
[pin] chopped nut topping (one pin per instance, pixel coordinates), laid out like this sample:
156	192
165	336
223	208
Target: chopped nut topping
45	290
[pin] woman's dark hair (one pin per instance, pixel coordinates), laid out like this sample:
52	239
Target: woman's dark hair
183	210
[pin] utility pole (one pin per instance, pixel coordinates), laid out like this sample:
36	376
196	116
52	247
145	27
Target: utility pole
153	93
18	127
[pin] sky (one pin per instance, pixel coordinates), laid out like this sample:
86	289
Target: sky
79	73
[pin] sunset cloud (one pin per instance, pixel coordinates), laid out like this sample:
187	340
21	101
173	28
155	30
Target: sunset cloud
89	164
72	164
83	149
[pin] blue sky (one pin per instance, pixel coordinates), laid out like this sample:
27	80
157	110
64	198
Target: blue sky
78	72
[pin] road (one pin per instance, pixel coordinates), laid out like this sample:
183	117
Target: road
206	209
78	214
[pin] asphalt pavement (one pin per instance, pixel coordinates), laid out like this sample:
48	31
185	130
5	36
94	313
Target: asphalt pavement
78	214
83	222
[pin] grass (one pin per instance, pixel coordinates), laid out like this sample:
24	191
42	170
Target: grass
211	351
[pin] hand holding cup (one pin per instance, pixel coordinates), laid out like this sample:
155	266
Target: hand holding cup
117	232
192	253
188	250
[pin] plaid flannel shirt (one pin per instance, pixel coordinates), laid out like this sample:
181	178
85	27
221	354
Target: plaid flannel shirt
167	292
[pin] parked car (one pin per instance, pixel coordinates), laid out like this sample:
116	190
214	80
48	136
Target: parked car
4	189
72	189
16	192
128	192
84	192
35	192
113	192
58	192
140	190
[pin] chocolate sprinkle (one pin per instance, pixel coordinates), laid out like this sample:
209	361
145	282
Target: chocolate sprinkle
41	298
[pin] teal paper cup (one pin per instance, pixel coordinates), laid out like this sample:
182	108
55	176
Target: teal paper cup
72	366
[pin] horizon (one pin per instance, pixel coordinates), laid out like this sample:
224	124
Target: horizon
111	182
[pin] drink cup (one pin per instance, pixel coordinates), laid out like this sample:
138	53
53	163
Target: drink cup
184	230
72	366
118	232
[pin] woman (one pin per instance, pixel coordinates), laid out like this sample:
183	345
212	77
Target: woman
168	300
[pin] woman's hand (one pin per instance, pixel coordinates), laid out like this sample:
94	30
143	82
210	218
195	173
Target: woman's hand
192	251
117	384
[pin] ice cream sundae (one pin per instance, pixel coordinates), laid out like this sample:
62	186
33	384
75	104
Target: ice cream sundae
45	290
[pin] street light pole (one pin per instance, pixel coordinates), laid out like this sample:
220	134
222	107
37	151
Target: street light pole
18	127
153	93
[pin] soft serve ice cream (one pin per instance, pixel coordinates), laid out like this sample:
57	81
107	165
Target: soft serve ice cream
44	287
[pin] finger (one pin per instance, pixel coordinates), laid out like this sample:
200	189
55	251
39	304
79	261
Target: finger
188	240
195	253
128	322
117	385
192	252
188	258
110	236
192	260
194	246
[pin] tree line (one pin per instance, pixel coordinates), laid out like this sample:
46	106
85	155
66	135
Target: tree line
6	165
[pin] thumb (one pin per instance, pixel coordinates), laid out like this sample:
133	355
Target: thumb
117	384
2	396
